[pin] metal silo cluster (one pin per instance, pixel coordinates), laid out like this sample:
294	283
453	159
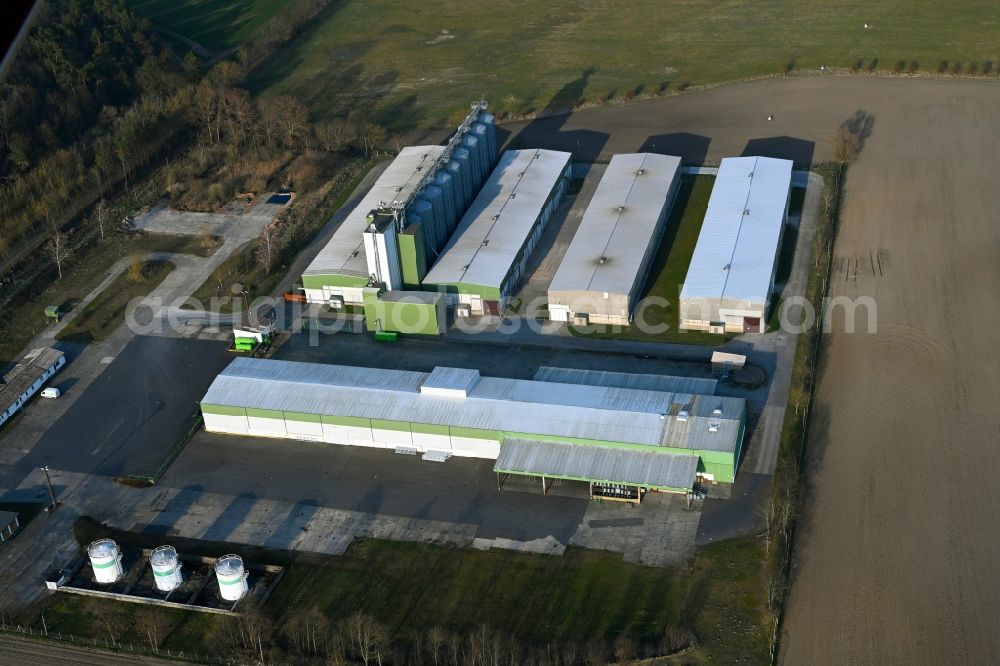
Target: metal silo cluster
466	164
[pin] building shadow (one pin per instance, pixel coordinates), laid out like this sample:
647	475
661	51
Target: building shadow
546	131
799	151
691	148
231	518
294	524
175	509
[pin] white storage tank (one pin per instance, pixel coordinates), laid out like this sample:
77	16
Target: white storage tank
106	561
232	577
166	568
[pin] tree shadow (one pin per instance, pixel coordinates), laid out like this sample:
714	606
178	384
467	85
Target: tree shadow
860	124
691	148
799	151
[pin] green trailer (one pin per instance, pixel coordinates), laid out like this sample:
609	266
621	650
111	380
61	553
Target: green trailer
386	336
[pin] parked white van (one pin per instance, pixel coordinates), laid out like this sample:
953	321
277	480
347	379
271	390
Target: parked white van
50	392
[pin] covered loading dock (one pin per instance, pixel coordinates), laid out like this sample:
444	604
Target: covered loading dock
481	266
456	411
606	265
340	270
731	274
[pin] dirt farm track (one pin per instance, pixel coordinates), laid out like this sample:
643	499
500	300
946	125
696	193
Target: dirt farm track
899	547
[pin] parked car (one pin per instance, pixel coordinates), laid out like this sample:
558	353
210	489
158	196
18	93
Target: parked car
50	392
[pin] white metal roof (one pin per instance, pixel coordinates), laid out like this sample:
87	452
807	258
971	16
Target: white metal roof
738	244
631	380
658	469
344	254
540	409
501	219
618	225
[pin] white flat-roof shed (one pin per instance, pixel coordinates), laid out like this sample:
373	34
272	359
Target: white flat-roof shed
486	257
606	265
341	268
731	275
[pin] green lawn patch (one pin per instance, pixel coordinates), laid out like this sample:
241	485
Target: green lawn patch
215	24
535	599
106	312
415	65
668	272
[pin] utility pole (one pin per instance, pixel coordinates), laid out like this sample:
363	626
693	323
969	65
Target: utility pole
52	493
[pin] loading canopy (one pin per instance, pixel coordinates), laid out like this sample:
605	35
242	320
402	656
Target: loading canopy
660	470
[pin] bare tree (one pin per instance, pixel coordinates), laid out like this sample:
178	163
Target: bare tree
113	623
371	135
59	249
367	637
152	623
308	631
101	215
267	248
595	652
846	145
437	639
625	648
334	135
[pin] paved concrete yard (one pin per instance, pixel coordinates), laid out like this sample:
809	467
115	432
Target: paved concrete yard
145	400
318	497
237	221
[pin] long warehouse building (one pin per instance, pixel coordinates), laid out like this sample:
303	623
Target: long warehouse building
574	429
481	266
340	270
602	275
731	275
26	378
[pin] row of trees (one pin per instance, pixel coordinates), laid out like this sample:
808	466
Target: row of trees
309	636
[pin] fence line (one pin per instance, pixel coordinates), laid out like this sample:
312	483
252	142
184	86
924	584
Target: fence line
93	642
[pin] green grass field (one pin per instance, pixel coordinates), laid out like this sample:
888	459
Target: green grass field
215	24
537	599
104	314
418	63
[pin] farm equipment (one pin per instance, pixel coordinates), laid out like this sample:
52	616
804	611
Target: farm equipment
252	340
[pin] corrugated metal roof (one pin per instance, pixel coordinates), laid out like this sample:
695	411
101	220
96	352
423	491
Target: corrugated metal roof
738	244
618	225
599	413
500	220
26	373
644	382
344	254
656	469
450	381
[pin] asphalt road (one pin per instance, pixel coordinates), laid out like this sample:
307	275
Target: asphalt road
135	412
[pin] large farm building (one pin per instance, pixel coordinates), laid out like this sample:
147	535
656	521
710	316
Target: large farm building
481	266
605	267
639	431
731	275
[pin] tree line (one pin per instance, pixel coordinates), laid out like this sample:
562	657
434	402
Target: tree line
308	636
